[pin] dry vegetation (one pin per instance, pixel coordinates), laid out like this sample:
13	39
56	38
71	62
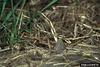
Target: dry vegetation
49	33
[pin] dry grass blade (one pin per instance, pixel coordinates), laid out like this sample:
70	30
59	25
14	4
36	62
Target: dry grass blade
53	31
83	37
86	45
75	30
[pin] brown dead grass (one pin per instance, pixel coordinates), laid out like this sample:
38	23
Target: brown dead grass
75	23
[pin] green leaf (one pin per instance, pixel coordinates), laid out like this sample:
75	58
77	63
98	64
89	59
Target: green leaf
3	7
51	3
